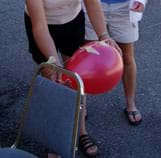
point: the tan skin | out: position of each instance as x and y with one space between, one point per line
130 70
129 78
47 45
129 75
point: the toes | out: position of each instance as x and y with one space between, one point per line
87 145
132 119
92 150
138 117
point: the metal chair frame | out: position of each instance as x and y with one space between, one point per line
80 95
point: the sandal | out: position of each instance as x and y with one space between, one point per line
86 142
132 113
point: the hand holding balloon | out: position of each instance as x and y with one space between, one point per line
99 65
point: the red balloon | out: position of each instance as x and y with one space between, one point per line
99 65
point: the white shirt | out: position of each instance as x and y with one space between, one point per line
61 11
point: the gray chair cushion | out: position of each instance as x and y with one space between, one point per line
51 116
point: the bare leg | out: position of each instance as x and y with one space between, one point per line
129 78
92 149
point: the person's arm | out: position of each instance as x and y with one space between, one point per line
96 16
40 29
97 19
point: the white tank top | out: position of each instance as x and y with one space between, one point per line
61 11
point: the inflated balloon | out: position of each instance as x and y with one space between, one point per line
99 65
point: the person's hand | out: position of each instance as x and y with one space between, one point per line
112 43
49 72
137 7
106 37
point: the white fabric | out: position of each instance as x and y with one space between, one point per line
135 17
119 26
61 11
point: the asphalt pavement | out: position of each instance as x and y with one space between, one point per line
106 121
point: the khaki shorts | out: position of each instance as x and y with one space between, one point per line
118 24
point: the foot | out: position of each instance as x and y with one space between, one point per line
51 155
134 117
88 145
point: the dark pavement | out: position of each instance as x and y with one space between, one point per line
106 121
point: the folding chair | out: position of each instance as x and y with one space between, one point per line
51 113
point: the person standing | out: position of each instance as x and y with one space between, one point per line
122 18
59 25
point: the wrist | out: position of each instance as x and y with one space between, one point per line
103 36
52 60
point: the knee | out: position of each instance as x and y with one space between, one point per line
128 59
128 53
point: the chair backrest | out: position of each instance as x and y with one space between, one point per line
14 153
51 117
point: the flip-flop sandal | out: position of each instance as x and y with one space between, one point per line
85 142
132 113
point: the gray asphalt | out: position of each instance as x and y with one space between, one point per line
106 121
